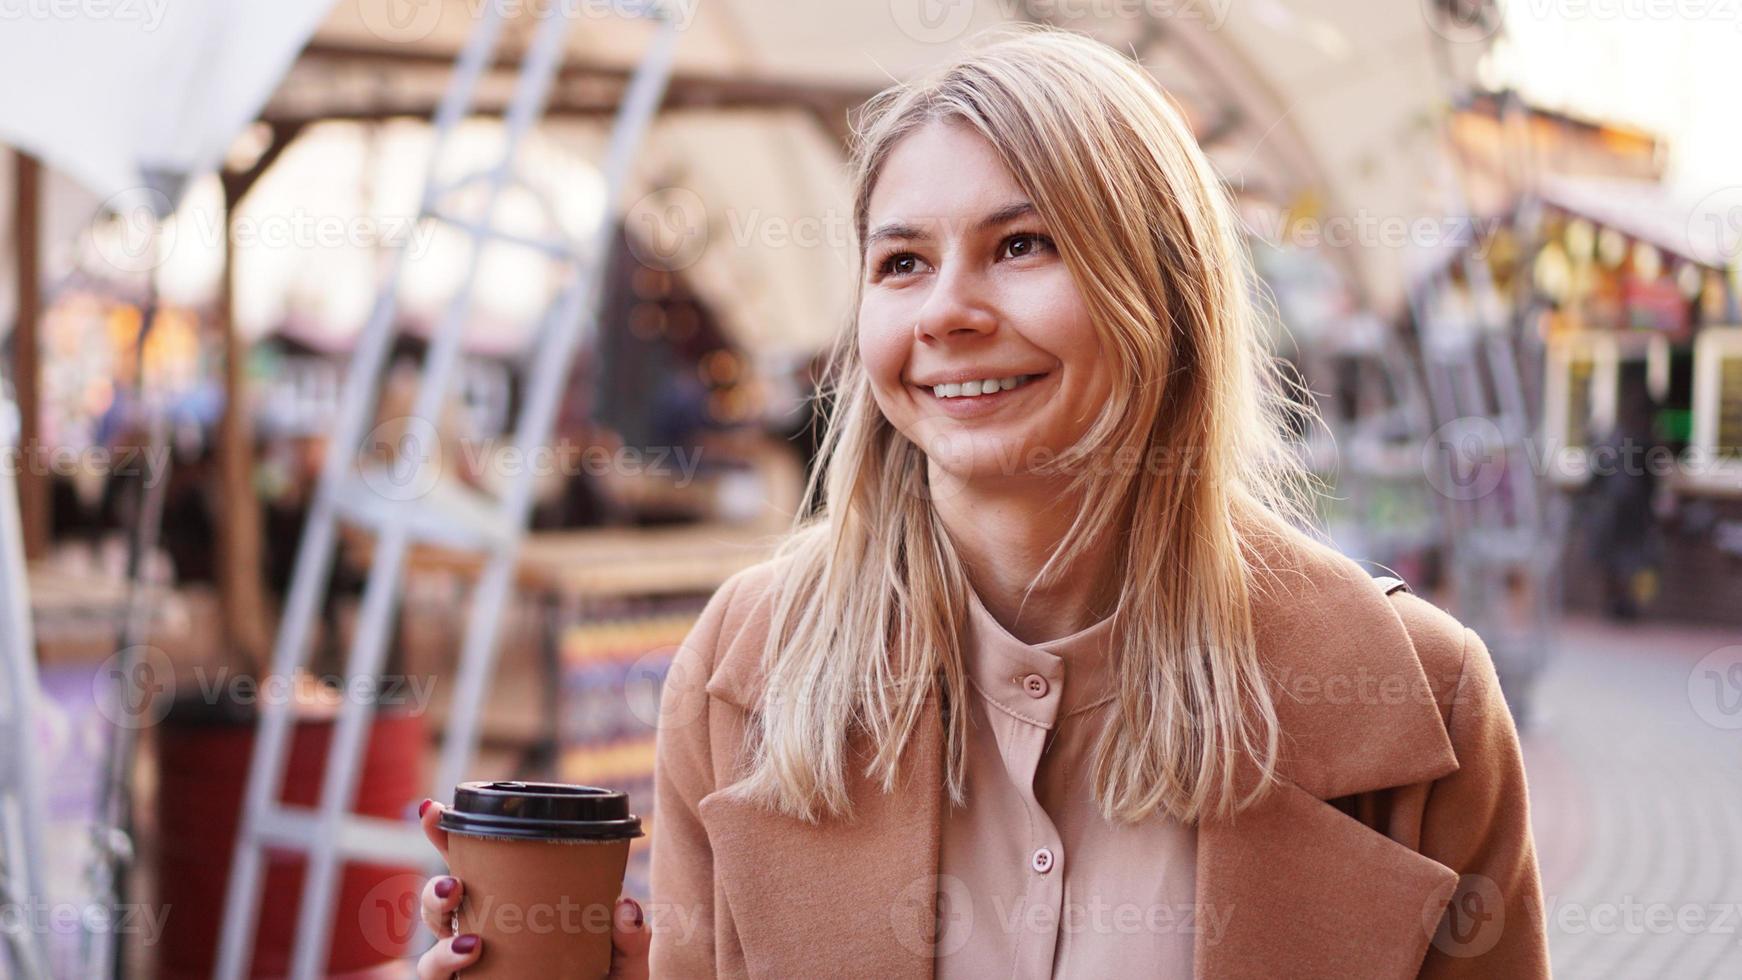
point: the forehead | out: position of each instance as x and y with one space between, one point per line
943 169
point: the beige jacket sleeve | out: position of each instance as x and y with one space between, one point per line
1477 822
682 906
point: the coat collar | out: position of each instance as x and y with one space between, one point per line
1305 889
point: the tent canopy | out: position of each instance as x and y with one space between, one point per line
1325 108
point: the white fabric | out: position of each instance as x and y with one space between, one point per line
130 97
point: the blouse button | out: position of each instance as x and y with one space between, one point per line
1035 685
1042 860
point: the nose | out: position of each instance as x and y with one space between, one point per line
957 308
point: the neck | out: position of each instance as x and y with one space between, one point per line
1004 534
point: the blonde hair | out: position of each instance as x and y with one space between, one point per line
868 612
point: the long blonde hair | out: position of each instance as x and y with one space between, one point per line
868 613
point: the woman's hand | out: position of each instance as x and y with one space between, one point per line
630 935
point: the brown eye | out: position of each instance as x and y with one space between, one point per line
899 264
1027 243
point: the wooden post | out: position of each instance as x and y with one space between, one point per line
34 498
241 592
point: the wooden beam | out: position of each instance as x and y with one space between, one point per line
34 498
580 90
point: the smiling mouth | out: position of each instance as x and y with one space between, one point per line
980 388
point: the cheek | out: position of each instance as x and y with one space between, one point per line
884 349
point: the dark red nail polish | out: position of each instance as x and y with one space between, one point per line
636 908
423 808
464 945
444 886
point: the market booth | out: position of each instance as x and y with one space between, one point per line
1643 389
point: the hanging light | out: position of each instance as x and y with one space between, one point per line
1611 248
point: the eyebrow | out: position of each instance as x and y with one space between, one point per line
1002 216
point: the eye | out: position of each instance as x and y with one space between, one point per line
1025 243
899 264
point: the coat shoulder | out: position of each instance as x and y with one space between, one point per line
1441 644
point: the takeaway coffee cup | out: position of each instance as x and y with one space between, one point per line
542 865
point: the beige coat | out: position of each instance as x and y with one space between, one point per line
1403 789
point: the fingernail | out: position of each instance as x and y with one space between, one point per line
444 886
464 945
423 808
635 911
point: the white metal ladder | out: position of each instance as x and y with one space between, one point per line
22 821
328 833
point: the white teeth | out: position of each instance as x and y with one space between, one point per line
982 387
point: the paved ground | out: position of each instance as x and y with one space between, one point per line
1635 761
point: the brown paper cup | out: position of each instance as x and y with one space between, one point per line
542 865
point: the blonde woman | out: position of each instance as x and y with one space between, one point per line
1049 686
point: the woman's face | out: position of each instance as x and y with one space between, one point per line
963 285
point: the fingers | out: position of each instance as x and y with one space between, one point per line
427 815
449 957
441 896
630 938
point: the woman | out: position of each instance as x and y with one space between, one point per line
1049 687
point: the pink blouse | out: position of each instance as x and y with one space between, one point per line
1033 882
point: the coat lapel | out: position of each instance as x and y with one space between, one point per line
854 898
1296 887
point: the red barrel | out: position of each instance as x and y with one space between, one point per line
203 767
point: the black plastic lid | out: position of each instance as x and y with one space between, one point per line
540 811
